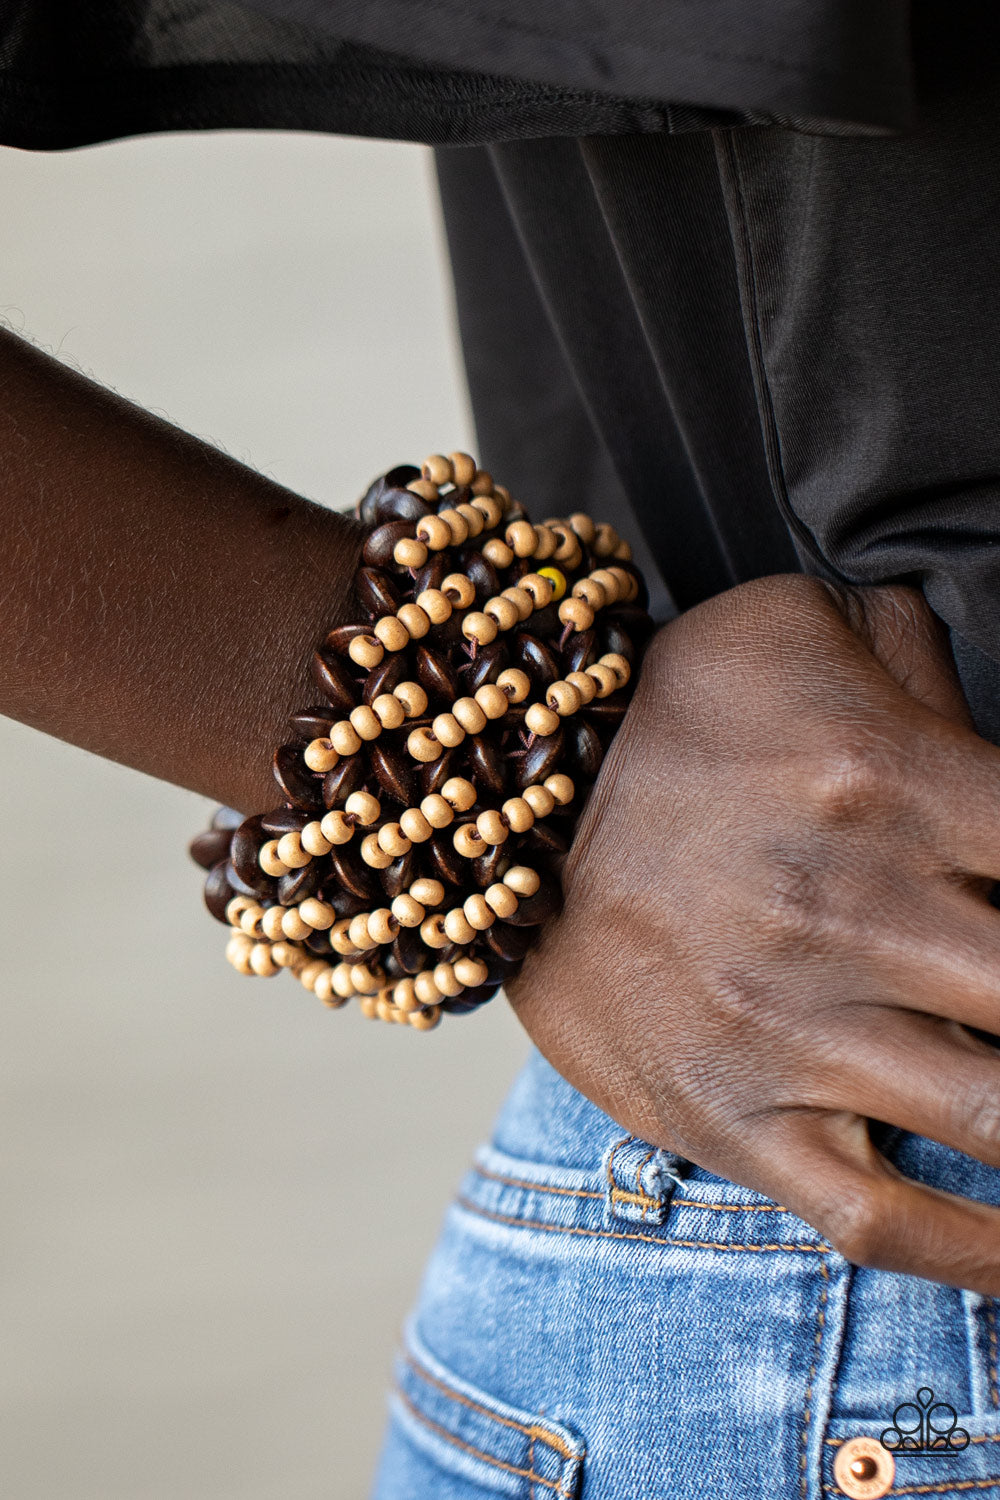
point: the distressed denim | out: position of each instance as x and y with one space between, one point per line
603 1320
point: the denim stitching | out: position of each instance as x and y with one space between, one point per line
817 1342
930 1489
550 1438
488 1458
983 1437
648 1239
638 1179
561 1192
991 1328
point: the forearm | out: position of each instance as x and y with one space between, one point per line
158 600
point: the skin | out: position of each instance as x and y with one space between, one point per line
776 921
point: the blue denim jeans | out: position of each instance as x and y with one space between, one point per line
603 1320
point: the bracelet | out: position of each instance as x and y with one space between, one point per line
428 803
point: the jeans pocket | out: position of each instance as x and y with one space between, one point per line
449 1439
939 1453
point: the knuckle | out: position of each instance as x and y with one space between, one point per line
855 1225
846 783
792 906
980 1121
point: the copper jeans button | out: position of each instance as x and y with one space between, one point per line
864 1469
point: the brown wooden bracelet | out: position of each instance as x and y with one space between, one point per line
428 802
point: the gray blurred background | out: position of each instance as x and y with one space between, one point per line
216 1195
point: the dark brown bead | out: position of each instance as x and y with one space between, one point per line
533 910
344 902
485 763
536 658
394 771
387 676
485 869
641 599
391 966
580 651
497 969
541 758
436 675
319 943
444 859
401 505
335 680
281 820
546 623
615 637
348 776
605 714
399 876
227 817
432 574
381 542
397 478
583 749
218 891
409 951
447 954
312 723
486 666
208 848
375 593
508 943
543 839
300 785
469 1000
354 875
339 639
242 889
434 773
247 840
482 574
298 884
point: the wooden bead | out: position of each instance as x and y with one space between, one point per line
567 545
546 542
366 651
413 698
492 700
310 972
382 925
605 540
238 951
392 633
340 937
236 907
415 826
393 840
448 730
518 814
479 627
446 980
425 488
424 745
469 715
336 827
491 510
521 600
436 605
373 854
435 532
345 738
482 483
291 852
293 925
323 988
438 469
591 592
563 697
425 989
522 538
319 914
583 526
389 710
498 553
463 468
410 552
605 679
432 932
609 582
314 841
363 980
407 911
541 720
501 899
437 811
426 1019
365 722
456 524
414 620
585 686
478 913
270 923
460 590
470 971
539 587
492 827
250 919
363 808
360 933
576 612
459 793
285 955
427 891
270 861
619 665
539 799
367 1006
521 880
405 996
514 684
343 984
504 611
561 787
319 755
457 926
469 841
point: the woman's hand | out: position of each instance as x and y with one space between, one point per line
776 923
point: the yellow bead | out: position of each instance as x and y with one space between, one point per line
492 827
432 932
563 697
492 700
425 989
389 710
410 552
393 840
314 841
469 714
469 842
269 860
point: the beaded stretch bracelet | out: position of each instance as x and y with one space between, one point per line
429 801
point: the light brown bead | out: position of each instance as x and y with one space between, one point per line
359 932
415 826
426 990
293 925
414 620
368 1006
561 787
310 972
501 899
314 841
366 651
577 613
437 811
546 543
605 679
410 552
446 979
270 861
373 854
503 611
472 516
619 665
469 715
425 488
605 541
438 469
563 697
392 633
470 971
291 852
404 995
393 840
539 587
423 744
435 532
236 907
457 926
408 913
492 700
469 841
459 793
479 627
250 919
463 468
436 605
425 1020
567 546
286 955
498 553
270 923
448 730
345 738
460 589
389 710
514 684
478 913
336 827
491 510
323 988
541 720
343 984
365 722
623 552
583 526
492 827
521 537
413 698
613 585
364 980
591 592
456 524
432 932
540 800
428 891
363 808
502 493
522 880
482 483
319 755
238 951
585 686
340 937
521 600
382 925
319 914
518 814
